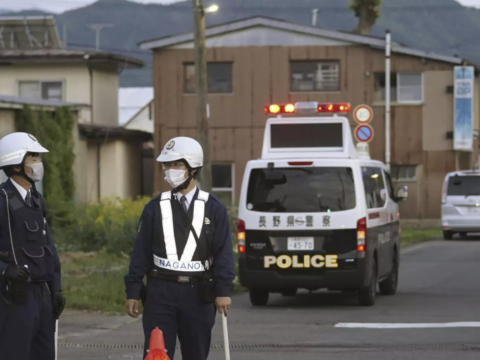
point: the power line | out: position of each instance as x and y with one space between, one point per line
89 46
97 28
297 8
238 9
232 19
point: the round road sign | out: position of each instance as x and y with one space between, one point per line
363 114
364 133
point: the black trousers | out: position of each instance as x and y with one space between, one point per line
27 331
177 310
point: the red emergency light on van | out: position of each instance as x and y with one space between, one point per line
309 107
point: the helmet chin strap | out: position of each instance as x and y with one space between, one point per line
185 184
24 174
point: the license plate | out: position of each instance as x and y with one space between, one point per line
300 243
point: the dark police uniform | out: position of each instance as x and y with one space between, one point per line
27 328
167 253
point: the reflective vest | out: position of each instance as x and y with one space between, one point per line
192 260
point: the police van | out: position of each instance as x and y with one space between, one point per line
316 212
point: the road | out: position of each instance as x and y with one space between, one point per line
438 284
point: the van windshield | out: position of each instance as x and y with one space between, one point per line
463 185
309 189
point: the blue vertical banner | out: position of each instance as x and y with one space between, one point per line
463 108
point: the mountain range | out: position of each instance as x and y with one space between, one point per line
441 26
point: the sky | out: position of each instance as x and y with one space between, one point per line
59 6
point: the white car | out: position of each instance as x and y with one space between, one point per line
461 203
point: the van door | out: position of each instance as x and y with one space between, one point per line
393 219
298 213
378 232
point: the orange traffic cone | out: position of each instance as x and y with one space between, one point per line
156 350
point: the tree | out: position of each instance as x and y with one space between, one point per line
367 12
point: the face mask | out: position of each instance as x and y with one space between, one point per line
175 177
37 174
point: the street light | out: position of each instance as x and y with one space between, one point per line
212 8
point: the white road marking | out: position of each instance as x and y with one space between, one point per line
408 326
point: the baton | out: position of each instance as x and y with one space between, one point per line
56 339
226 343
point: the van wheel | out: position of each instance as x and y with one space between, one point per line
366 295
289 292
389 285
259 297
447 235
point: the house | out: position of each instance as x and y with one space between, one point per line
258 61
136 109
34 64
136 112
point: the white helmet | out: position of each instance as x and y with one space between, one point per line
183 148
15 146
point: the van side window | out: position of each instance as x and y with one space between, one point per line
375 191
390 185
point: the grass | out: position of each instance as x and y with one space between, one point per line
94 281
410 236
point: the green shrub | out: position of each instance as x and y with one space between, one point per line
110 224
233 216
54 131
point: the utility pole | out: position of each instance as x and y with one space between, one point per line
201 87
98 28
388 44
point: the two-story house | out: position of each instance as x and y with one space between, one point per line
34 64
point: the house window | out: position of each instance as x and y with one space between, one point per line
375 191
46 90
219 78
404 87
223 183
315 75
29 89
189 78
404 173
410 87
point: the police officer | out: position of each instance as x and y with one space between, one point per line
30 291
184 248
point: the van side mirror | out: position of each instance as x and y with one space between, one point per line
402 194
